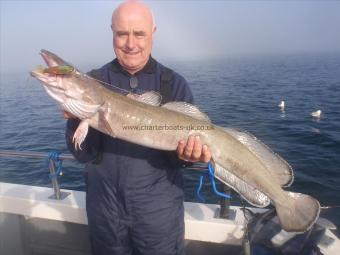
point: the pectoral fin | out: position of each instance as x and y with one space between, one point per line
80 134
103 122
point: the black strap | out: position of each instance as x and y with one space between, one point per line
166 81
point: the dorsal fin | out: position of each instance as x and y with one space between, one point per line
150 97
188 109
274 163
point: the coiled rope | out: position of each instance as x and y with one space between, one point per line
210 174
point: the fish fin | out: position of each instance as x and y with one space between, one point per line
80 134
298 213
103 122
150 97
249 193
279 167
187 109
80 109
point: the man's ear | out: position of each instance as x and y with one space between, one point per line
154 30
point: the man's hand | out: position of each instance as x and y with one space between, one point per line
68 115
193 151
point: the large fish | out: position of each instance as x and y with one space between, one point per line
240 160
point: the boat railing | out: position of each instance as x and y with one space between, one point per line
59 195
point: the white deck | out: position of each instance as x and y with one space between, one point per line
201 222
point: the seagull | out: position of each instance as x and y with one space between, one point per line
316 114
282 105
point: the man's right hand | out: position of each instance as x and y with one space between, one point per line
68 115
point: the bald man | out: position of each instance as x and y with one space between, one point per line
134 196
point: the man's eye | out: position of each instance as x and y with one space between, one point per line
121 34
139 34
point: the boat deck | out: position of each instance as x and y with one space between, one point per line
32 223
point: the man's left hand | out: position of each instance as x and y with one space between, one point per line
193 151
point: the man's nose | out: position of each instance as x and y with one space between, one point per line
130 41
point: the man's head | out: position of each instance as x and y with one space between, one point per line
133 28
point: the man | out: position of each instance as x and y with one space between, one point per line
134 194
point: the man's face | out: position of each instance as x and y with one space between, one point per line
132 39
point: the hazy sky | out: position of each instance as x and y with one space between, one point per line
79 31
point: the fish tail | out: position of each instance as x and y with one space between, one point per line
299 213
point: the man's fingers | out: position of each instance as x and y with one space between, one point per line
206 154
189 147
197 150
193 151
180 148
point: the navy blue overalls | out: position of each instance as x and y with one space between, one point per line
134 196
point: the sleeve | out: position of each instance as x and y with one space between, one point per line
181 90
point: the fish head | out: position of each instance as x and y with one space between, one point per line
67 85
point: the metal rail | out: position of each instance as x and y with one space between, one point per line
224 211
31 154
39 155
58 195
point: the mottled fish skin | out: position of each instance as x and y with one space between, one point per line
124 116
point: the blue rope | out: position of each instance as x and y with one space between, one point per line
212 179
198 191
54 156
211 174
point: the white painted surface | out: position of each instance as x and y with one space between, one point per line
200 221
333 248
32 201
202 224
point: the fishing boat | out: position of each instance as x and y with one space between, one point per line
40 220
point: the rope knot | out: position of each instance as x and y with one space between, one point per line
54 158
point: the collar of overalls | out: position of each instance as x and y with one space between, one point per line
149 68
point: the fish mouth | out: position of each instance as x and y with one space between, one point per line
38 73
48 80
50 84
51 59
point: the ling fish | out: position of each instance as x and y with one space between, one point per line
240 160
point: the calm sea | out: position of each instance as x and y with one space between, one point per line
242 93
